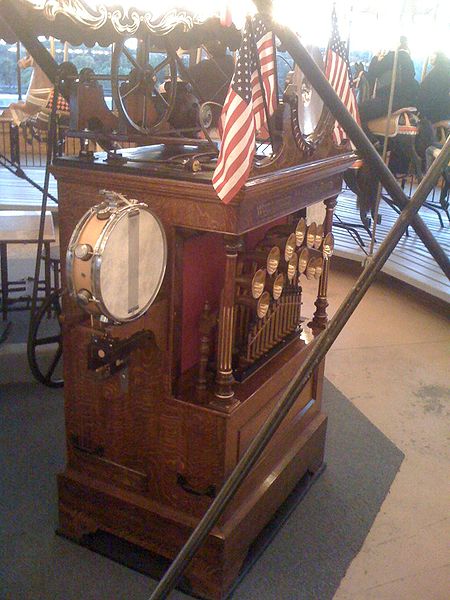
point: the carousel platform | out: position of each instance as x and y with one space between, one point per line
19 194
410 262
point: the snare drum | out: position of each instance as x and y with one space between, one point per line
116 259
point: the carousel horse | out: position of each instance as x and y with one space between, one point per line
33 114
37 95
409 135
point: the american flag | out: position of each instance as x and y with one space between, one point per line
244 114
338 74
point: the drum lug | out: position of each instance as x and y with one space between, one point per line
84 297
83 251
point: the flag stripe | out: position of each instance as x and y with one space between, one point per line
337 71
244 114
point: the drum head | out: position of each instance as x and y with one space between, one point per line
130 263
310 105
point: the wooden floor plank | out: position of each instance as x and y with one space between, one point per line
410 262
19 194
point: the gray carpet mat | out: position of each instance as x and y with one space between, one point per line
306 559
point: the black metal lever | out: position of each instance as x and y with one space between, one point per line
210 491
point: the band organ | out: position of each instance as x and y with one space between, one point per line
161 403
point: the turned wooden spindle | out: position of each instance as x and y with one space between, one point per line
320 318
208 321
224 393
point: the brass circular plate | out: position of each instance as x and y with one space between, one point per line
292 267
278 286
328 245
319 236
303 260
258 283
300 232
263 305
318 264
273 260
311 269
311 235
290 246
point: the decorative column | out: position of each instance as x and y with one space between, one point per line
224 393
320 319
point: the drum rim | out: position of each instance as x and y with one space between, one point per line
97 262
70 254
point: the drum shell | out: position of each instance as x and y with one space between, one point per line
80 272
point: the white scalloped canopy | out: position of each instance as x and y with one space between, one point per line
129 16
105 21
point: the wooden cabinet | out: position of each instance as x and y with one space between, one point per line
149 446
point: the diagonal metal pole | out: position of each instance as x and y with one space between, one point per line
320 83
22 27
321 346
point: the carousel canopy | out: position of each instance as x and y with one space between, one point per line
106 21
369 24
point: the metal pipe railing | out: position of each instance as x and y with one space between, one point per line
321 346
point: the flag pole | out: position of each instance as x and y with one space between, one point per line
385 151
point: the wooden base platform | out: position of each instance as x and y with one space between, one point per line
154 566
193 450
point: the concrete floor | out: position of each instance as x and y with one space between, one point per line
392 362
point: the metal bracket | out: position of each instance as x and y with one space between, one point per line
108 355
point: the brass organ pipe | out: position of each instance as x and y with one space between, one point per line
270 259
264 336
280 316
255 283
285 328
311 235
292 312
272 324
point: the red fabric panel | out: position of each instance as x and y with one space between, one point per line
203 272
203 279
